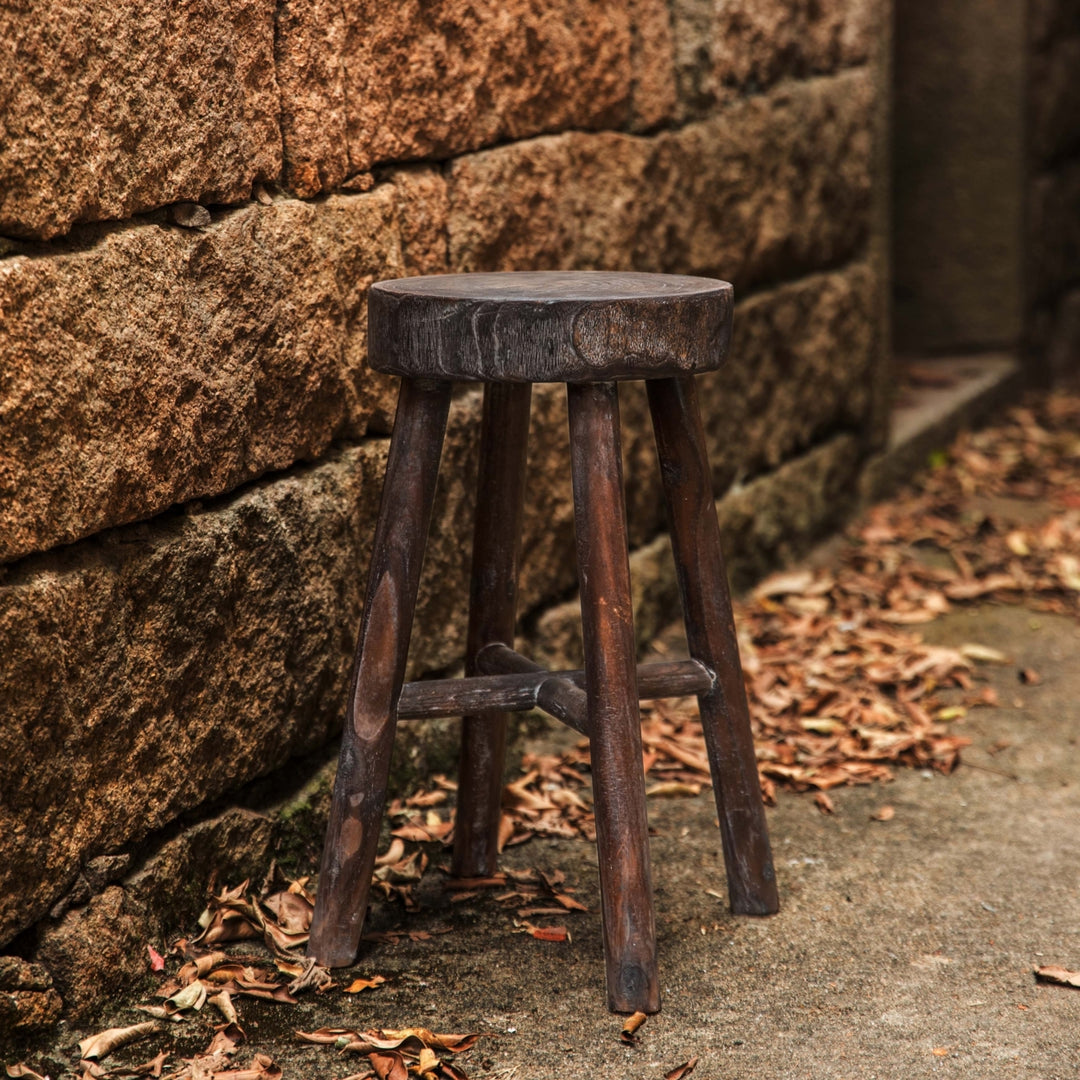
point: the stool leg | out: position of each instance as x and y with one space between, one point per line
367 741
710 632
611 684
504 435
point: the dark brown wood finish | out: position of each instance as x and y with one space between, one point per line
509 330
710 631
557 696
364 764
552 326
505 688
504 435
611 684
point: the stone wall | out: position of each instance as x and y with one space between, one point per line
194 200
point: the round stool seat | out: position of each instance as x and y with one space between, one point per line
550 326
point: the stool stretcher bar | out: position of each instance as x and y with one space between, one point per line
559 693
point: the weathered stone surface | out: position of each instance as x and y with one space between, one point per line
110 109
27 999
772 187
801 369
652 63
722 49
23 1011
1054 100
308 51
103 942
153 668
422 224
414 80
762 525
160 364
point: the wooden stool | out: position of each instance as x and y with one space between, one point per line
509 331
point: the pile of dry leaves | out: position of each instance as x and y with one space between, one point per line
274 920
841 686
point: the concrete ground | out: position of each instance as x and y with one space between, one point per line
904 948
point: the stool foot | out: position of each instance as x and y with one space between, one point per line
710 632
367 741
500 499
614 714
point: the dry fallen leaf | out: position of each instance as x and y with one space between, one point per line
1051 973
984 653
824 803
680 1072
364 984
672 789
105 1042
630 1027
23 1072
884 813
940 1051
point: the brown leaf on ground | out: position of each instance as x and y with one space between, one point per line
389 1065
154 1067
23 1072
357 985
394 853
682 1071
102 1044
222 1001
883 813
824 803
1051 973
630 1028
202 966
262 1067
226 1041
391 1039
291 910
1029 677
672 789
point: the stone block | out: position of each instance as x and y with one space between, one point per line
773 187
802 361
28 1001
108 110
156 667
308 54
167 364
379 82
652 64
102 943
726 48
